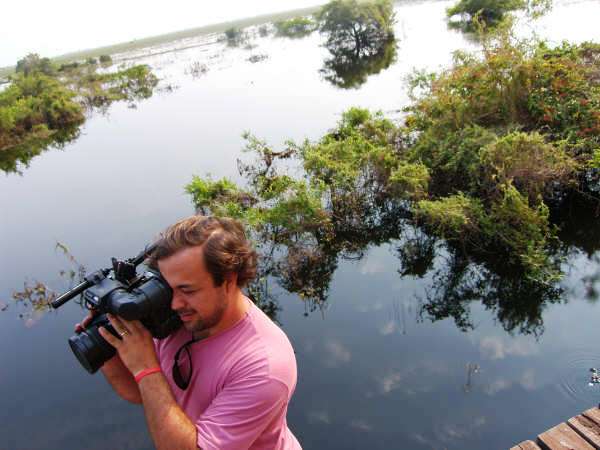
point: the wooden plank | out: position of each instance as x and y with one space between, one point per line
593 414
587 429
528 445
562 437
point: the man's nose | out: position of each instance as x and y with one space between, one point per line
177 301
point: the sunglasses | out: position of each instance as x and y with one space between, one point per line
182 365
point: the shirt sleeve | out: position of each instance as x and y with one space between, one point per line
240 413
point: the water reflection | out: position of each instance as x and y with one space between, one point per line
14 159
350 69
517 301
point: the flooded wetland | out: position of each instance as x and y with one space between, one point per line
403 339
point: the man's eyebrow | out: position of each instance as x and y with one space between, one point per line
186 286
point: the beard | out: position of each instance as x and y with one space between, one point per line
205 323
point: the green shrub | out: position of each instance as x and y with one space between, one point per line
456 217
296 27
35 106
528 162
32 64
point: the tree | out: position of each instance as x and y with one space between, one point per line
358 26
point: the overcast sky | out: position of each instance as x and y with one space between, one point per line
55 27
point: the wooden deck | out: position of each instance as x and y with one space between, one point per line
579 432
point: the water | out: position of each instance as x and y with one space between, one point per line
373 372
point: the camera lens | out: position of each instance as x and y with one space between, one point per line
90 348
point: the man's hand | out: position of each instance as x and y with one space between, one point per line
79 327
169 426
135 348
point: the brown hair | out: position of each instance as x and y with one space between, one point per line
226 248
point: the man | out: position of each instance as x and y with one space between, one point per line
224 379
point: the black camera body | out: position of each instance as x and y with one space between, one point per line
122 292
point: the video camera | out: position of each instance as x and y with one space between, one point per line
122 292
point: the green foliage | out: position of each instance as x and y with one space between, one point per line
565 94
105 59
489 13
452 157
43 107
35 106
528 162
523 231
513 86
91 61
296 27
455 217
32 64
409 180
515 128
594 162
357 26
357 154
208 192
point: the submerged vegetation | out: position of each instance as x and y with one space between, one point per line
488 151
45 103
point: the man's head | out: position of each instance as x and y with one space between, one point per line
206 261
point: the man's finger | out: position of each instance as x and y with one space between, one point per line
133 325
118 324
107 335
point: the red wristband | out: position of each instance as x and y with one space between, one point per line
142 373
